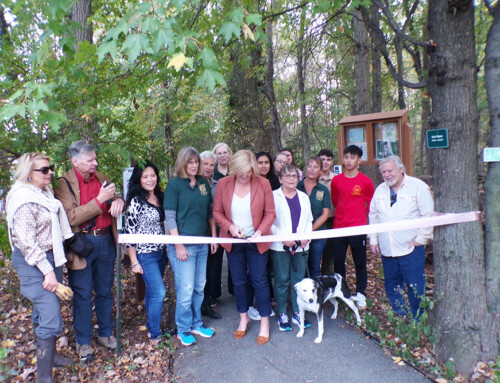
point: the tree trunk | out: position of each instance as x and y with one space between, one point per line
492 184
401 72
466 331
306 149
362 64
376 68
275 128
426 110
80 13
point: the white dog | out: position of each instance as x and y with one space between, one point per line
312 294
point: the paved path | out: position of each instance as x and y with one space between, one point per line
344 356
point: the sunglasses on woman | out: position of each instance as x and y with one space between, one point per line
45 169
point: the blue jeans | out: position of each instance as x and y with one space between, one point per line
316 248
153 265
98 275
287 275
190 278
408 269
247 266
46 309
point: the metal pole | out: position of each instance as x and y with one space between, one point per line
118 299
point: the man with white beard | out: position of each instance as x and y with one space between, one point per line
401 197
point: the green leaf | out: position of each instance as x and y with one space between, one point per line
322 7
36 105
237 16
54 119
162 38
121 27
209 78
229 29
149 24
133 46
208 58
9 111
254 18
108 47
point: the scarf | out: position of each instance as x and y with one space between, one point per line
22 193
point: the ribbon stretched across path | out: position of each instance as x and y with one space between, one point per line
438 219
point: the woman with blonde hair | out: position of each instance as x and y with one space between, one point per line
37 228
187 202
244 208
223 154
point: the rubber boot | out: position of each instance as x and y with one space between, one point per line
61 361
45 351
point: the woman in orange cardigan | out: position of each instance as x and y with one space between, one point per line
244 208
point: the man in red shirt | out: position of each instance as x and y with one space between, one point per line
352 193
89 199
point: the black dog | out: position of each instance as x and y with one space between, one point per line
312 294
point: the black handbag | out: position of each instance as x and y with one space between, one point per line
79 244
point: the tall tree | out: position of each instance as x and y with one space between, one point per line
492 184
301 73
362 64
376 67
275 128
461 315
80 13
466 328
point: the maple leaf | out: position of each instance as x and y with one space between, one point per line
177 61
247 32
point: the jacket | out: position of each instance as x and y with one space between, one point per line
261 206
78 214
283 223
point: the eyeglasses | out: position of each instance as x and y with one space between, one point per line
290 176
45 169
282 162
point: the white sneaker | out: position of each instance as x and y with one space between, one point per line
253 313
360 300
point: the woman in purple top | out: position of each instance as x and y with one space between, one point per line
293 215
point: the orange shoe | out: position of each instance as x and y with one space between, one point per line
262 340
238 334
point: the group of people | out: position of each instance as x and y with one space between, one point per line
216 194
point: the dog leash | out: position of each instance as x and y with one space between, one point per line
292 251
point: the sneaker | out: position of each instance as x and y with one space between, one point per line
360 301
186 338
253 313
85 352
107 341
283 323
205 332
296 320
273 313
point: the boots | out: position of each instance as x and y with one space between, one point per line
61 361
206 310
45 350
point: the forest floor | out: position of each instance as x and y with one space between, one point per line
140 361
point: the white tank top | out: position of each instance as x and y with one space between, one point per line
241 215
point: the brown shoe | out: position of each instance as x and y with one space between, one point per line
262 340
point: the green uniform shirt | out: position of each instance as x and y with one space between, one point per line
191 204
320 199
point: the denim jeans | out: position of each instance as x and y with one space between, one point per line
287 275
316 248
190 278
153 265
410 270
248 266
358 248
46 309
98 275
